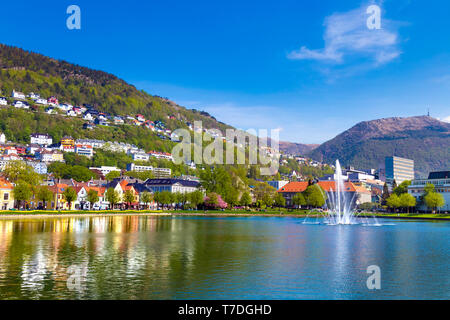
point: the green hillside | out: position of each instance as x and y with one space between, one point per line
31 72
424 139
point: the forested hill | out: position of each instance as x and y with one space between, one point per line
365 145
26 71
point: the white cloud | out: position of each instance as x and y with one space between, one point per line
446 119
347 36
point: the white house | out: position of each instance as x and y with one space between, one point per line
3 101
65 107
105 169
34 96
71 113
21 105
142 156
18 95
50 110
2 138
41 101
441 182
84 150
42 139
87 116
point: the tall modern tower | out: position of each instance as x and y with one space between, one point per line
399 169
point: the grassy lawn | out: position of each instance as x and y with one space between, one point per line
408 215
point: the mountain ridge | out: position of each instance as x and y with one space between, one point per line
366 144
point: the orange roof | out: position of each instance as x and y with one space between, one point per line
61 187
300 186
296 186
331 186
5 184
361 189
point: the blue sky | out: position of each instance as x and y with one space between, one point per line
310 68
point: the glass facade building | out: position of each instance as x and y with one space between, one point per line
399 169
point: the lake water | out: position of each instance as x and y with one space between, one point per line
138 257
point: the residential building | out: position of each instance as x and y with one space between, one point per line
41 101
358 194
3 101
162 172
157 172
34 96
64 106
105 169
398 169
441 182
172 185
53 101
50 110
21 104
84 150
58 202
68 141
41 139
18 95
88 116
91 142
6 194
141 156
50 156
39 167
160 155
2 138
138 168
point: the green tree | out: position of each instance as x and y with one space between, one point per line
19 170
434 200
246 199
92 197
44 194
315 196
196 198
70 195
385 194
393 201
22 192
231 197
112 175
146 198
407 201
402 188
394 184
279 200
128 198
429 188
299 200
112 196
80 173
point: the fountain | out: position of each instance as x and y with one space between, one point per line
341 207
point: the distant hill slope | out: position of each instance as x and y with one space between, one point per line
296 148
422 138
31 72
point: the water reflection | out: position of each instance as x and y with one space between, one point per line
136 257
